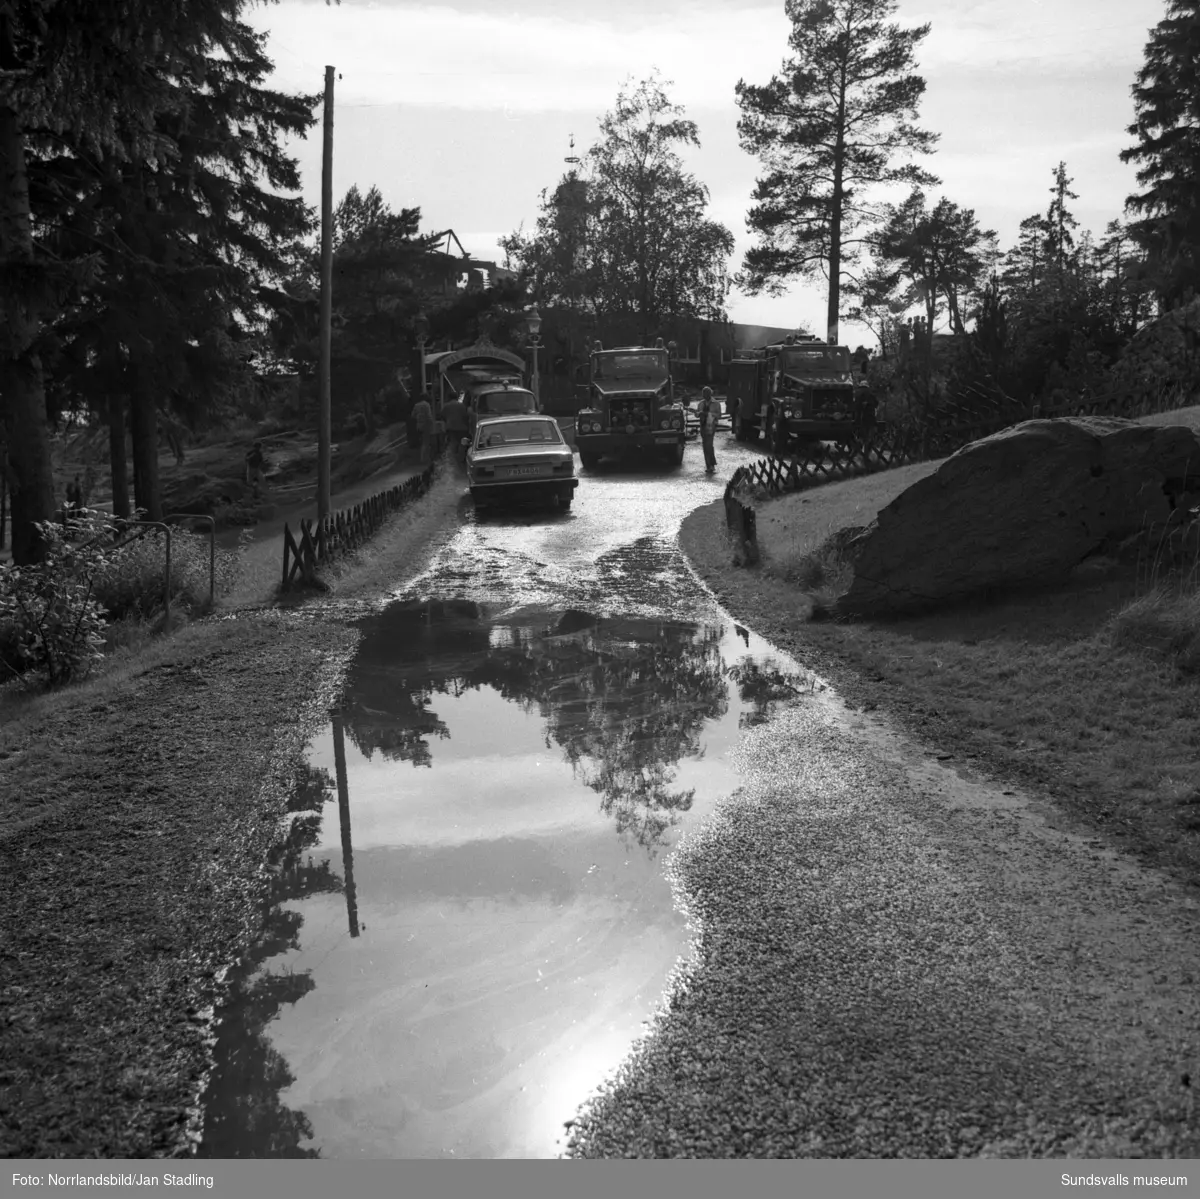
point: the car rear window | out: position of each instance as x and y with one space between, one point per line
520 432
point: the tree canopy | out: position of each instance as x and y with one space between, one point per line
830 128
629 234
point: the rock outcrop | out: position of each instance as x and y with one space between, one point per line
1025 505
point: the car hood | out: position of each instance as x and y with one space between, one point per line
615 388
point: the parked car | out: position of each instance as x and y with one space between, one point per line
514 459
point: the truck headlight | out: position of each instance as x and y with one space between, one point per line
664 424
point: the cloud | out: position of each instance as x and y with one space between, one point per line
1031 37
513 62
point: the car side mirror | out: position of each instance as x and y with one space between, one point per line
465 441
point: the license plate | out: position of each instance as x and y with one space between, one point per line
664 437
522 471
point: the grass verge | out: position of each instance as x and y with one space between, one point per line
137 810
1063 691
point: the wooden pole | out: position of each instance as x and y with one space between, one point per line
324 434
339 762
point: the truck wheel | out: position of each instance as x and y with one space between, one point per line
589 461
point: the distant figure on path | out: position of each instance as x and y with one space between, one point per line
454 417
423 424
74 501
710 411
255 462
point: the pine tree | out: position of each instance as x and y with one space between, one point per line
1059 242
829 128
1166 98
942 251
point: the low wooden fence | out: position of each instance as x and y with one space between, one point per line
891 446
344 531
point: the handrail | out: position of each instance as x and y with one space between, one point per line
124 523
212 547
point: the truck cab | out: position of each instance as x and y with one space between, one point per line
630 405
800 391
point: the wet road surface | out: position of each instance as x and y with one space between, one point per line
474 918
473 927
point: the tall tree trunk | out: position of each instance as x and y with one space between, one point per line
116 455
3 495
835 222
144 421
30 470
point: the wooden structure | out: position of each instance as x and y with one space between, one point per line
320 541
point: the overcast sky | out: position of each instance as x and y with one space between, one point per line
465 109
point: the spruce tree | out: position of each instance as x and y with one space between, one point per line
94 76
185 245
1166 97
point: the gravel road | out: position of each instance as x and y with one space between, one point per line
892 961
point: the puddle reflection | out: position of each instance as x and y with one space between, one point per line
513 946
625 699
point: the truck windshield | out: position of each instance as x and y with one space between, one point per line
630 366
815 360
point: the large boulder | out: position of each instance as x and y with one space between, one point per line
1024 505
1165 352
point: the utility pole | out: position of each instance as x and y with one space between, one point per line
324 421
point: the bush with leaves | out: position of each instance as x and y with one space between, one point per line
53 622
130 583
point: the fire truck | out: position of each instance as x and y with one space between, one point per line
629 405
799 392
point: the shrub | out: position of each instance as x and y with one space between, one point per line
54 621
130 582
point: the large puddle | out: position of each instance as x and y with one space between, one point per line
471 920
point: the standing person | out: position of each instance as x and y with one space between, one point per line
72 506
255 461
454 417
423 424
709 410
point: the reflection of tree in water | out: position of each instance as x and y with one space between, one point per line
243 1116
388 689
625 699
763 685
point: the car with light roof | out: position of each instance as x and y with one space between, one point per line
497 397
520 459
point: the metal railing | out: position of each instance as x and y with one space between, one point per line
212 547
146 526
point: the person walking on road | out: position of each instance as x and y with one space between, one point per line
709 411
422 416
454 417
